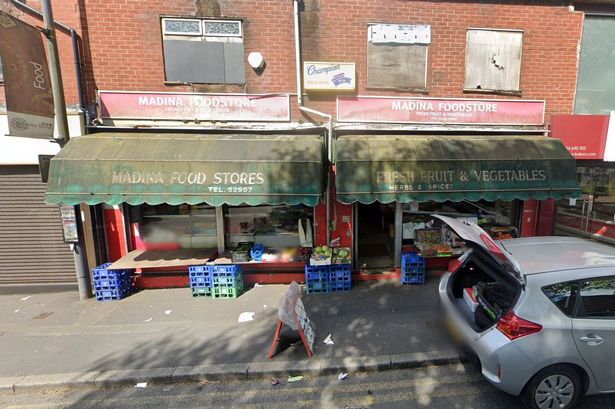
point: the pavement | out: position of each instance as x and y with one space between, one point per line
52 340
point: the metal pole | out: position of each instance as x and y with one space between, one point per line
83 279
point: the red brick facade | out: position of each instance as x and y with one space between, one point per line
122 46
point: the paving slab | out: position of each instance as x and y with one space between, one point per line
210 372
133 376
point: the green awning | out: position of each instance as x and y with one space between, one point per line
388 168
216 169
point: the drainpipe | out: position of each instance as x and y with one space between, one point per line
75 45
313 112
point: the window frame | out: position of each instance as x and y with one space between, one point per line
574 294
516 91
579 300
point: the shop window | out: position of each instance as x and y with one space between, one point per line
186 226
493 60
271 226
597 298
499 219
203 51
596 80
397 56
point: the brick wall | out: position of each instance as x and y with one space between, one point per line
123 51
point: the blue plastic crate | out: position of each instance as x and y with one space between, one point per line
412 261
317 286
225 269
341 271
199 270
413 278
108 295
200 282
111 285
111 279
316 273
102 274
340 285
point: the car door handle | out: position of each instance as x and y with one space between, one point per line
592 340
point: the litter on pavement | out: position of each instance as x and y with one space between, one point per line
141 385
26 298
342 375
168 312
294 378
148 320
275 382
328 340
257 285
245 317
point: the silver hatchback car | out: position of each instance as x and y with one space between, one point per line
538 312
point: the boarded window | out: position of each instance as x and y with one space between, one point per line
203 51
596 81
397 56
493 60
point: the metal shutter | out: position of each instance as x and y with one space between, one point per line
32 250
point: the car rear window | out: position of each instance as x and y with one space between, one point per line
562 295
598 298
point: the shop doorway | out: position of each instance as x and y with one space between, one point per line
375 236
592 215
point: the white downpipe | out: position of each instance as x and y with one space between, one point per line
313 112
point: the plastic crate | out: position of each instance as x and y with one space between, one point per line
227 269
199 270
316 273
109 295
226 292
413 278
200 281
317 286
412 261
340 271
99 274
225 280
201 292
340 285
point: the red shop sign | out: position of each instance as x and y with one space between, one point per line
440 111
194 106
583 135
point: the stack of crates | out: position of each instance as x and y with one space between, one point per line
216 281
340 277
317 279
111 284
200 280
226 281
412 269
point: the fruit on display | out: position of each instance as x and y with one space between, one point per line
341 255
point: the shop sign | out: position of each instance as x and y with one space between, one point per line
328 76
440 111
27 86
69 224
441 179
583 135
194 106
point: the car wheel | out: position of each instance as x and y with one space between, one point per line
556 387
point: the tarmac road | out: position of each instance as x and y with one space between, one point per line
446 387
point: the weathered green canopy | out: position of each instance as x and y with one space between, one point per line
389 168
188 168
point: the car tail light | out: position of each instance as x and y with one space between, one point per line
514 327
453 265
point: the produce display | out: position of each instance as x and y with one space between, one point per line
321 255
341 255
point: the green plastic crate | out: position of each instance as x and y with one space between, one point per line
201 292
227 292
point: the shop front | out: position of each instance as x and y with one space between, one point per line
397 181
187 199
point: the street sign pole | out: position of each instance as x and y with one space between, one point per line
63 136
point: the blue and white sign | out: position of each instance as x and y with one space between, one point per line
329 76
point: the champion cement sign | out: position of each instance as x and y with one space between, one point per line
194 106
440 111
328 76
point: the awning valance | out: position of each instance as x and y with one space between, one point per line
149 168
389 168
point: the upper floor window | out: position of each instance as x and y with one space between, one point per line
493 60
397 56
596 79
203 51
